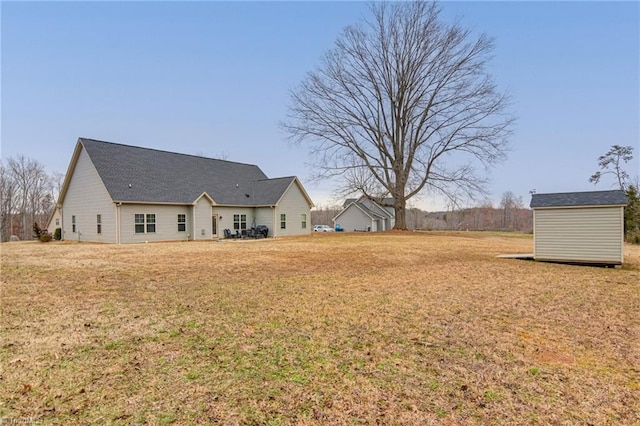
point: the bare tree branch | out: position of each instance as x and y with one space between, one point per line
612 163
403 104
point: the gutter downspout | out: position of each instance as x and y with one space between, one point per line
118 239
273 208
193 221
61 224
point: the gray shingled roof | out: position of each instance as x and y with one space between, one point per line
168 177
387 202
383 202
576 199
349 201
370 212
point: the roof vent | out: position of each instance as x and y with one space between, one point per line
247 195
129 185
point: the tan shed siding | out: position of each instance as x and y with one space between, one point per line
294 204
86 198
166 222
353 219
202 219
579 234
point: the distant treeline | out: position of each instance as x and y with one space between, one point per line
484 218
27 196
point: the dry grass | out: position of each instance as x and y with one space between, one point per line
333 329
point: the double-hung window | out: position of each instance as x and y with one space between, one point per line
283 221
139 223
73 224
303 220
151 223
99 224
145 223
239 221
182 222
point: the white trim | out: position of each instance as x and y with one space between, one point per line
295 180
204 194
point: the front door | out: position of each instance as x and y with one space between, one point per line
214 226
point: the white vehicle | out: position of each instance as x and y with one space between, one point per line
322 228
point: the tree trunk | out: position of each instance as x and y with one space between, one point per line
400 207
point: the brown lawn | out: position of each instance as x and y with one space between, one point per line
396 328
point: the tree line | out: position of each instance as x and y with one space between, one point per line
510 215
28 195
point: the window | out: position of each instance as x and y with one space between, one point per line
303 219
145 223
182 223
99 223
283 221
73 224
139 222
239 221
151 223
57 222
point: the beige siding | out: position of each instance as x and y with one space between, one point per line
225 219
579 234
352 218
55 222
86 198
202 213
166 222
294 204
264 216
261 216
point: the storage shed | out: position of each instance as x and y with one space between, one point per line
580 227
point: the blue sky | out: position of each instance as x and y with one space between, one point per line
213 78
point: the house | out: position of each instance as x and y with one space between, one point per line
116 193
580 227
54 221
366 214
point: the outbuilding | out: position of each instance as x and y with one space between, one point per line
366 214
579 227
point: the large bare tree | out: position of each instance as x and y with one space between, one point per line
403 103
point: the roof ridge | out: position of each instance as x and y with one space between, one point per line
579 192
275 178
164 151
